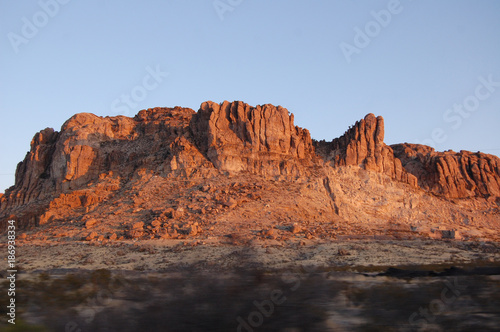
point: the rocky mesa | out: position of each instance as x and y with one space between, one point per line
234 168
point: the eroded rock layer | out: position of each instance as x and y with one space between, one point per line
264 140
363 145
174 172
230 137
451 174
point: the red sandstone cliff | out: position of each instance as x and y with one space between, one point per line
230 137
450 174
263 140
363 145
169 164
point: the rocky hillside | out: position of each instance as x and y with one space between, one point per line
232 168
451 174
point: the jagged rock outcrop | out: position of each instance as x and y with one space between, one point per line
363 145
450 174
88 146
229 137
263 139
172 167
32 173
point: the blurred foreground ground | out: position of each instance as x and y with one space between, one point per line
268 285
252 300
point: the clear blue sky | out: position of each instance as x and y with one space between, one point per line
411 67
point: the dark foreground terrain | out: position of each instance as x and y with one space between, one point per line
307 299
